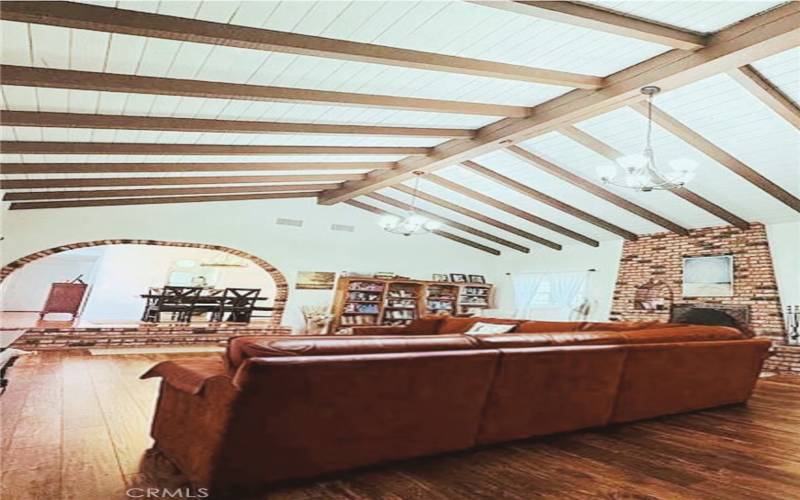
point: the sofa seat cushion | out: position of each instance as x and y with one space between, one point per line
547 326
510 340
243 348
682 333
461 325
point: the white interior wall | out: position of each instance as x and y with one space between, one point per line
784 244
250 227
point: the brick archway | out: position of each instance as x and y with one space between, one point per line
281 286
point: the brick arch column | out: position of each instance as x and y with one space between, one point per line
281 286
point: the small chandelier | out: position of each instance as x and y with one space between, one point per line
412 222
640 171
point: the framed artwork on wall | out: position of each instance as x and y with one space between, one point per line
708 276
458 278
477 278
315 280
439 277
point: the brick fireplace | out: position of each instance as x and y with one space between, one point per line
659 257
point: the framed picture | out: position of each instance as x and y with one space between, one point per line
439 277
708 276
458 278
477 278
315 280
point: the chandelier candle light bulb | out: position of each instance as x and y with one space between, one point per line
640 171
412 223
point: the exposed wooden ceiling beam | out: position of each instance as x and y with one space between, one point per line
450 222
598 19
755 83
476 215
590 187
607 151
128 193
167 181
547 199
437 232
77 120
94 168
752 39
135 148
505 207
717 154
154 201
91 17
110 82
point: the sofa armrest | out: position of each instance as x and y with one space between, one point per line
378 330
188 375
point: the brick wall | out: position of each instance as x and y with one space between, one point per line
660 257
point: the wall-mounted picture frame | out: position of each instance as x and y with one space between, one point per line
458 278
315 280
708 276
476 278
439 277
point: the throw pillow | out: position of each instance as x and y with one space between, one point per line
489 328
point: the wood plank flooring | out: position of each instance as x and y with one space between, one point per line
75 426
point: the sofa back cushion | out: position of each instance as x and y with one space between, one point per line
509 340
624 326
426 325
452 324
540 391
547 326
303 415
682 333
242 348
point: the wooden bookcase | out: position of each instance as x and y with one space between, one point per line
375 301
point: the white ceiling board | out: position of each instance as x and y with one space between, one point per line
582 161
713 181
783 71
701 16
15 48
62 158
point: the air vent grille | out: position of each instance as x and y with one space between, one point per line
289 222
343 227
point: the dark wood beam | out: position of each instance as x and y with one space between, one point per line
110 82
154 201
547 199
111 20
750 40
590 187
488 200
437 232
695 199
166 181
719 155
476 215
129 193
96 168
450 222
755 83
135 148
595 18
124 122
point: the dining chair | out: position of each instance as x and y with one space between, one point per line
177 300
238 303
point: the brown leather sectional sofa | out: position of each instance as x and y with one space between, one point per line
281 408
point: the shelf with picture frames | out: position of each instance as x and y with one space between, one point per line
397 301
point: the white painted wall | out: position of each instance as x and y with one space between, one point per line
250 227
784 244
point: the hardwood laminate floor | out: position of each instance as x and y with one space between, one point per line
75 426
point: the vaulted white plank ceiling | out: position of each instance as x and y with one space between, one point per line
553 205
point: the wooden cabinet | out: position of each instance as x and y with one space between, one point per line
64 298
376 301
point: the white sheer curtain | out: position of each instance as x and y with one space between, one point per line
525 288
563 291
